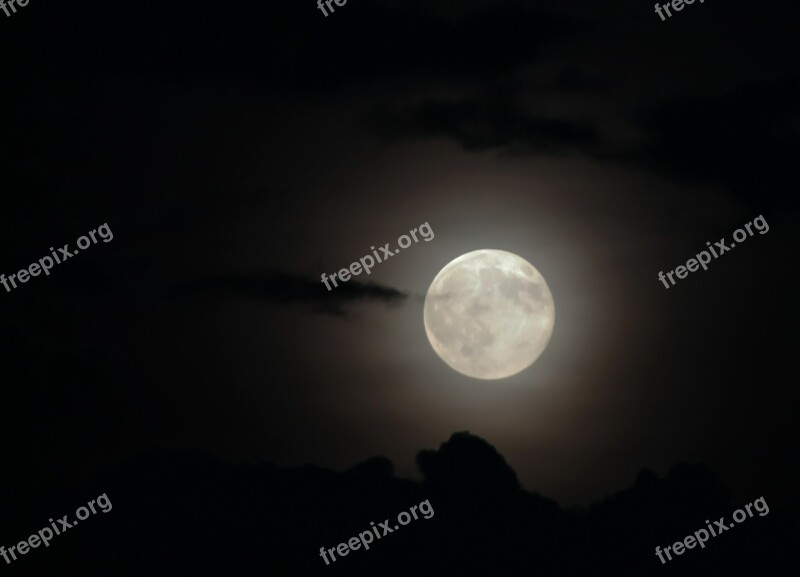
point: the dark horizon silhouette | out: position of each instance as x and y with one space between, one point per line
184 513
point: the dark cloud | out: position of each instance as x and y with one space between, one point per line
754 128
285 288
745 140
495 122
286 44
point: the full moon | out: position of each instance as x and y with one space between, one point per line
489 314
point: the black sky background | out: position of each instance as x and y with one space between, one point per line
237 151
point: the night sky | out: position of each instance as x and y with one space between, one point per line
237 151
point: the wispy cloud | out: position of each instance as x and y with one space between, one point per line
287 288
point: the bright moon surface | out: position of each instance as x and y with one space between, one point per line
489 314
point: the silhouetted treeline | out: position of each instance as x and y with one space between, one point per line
178 513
